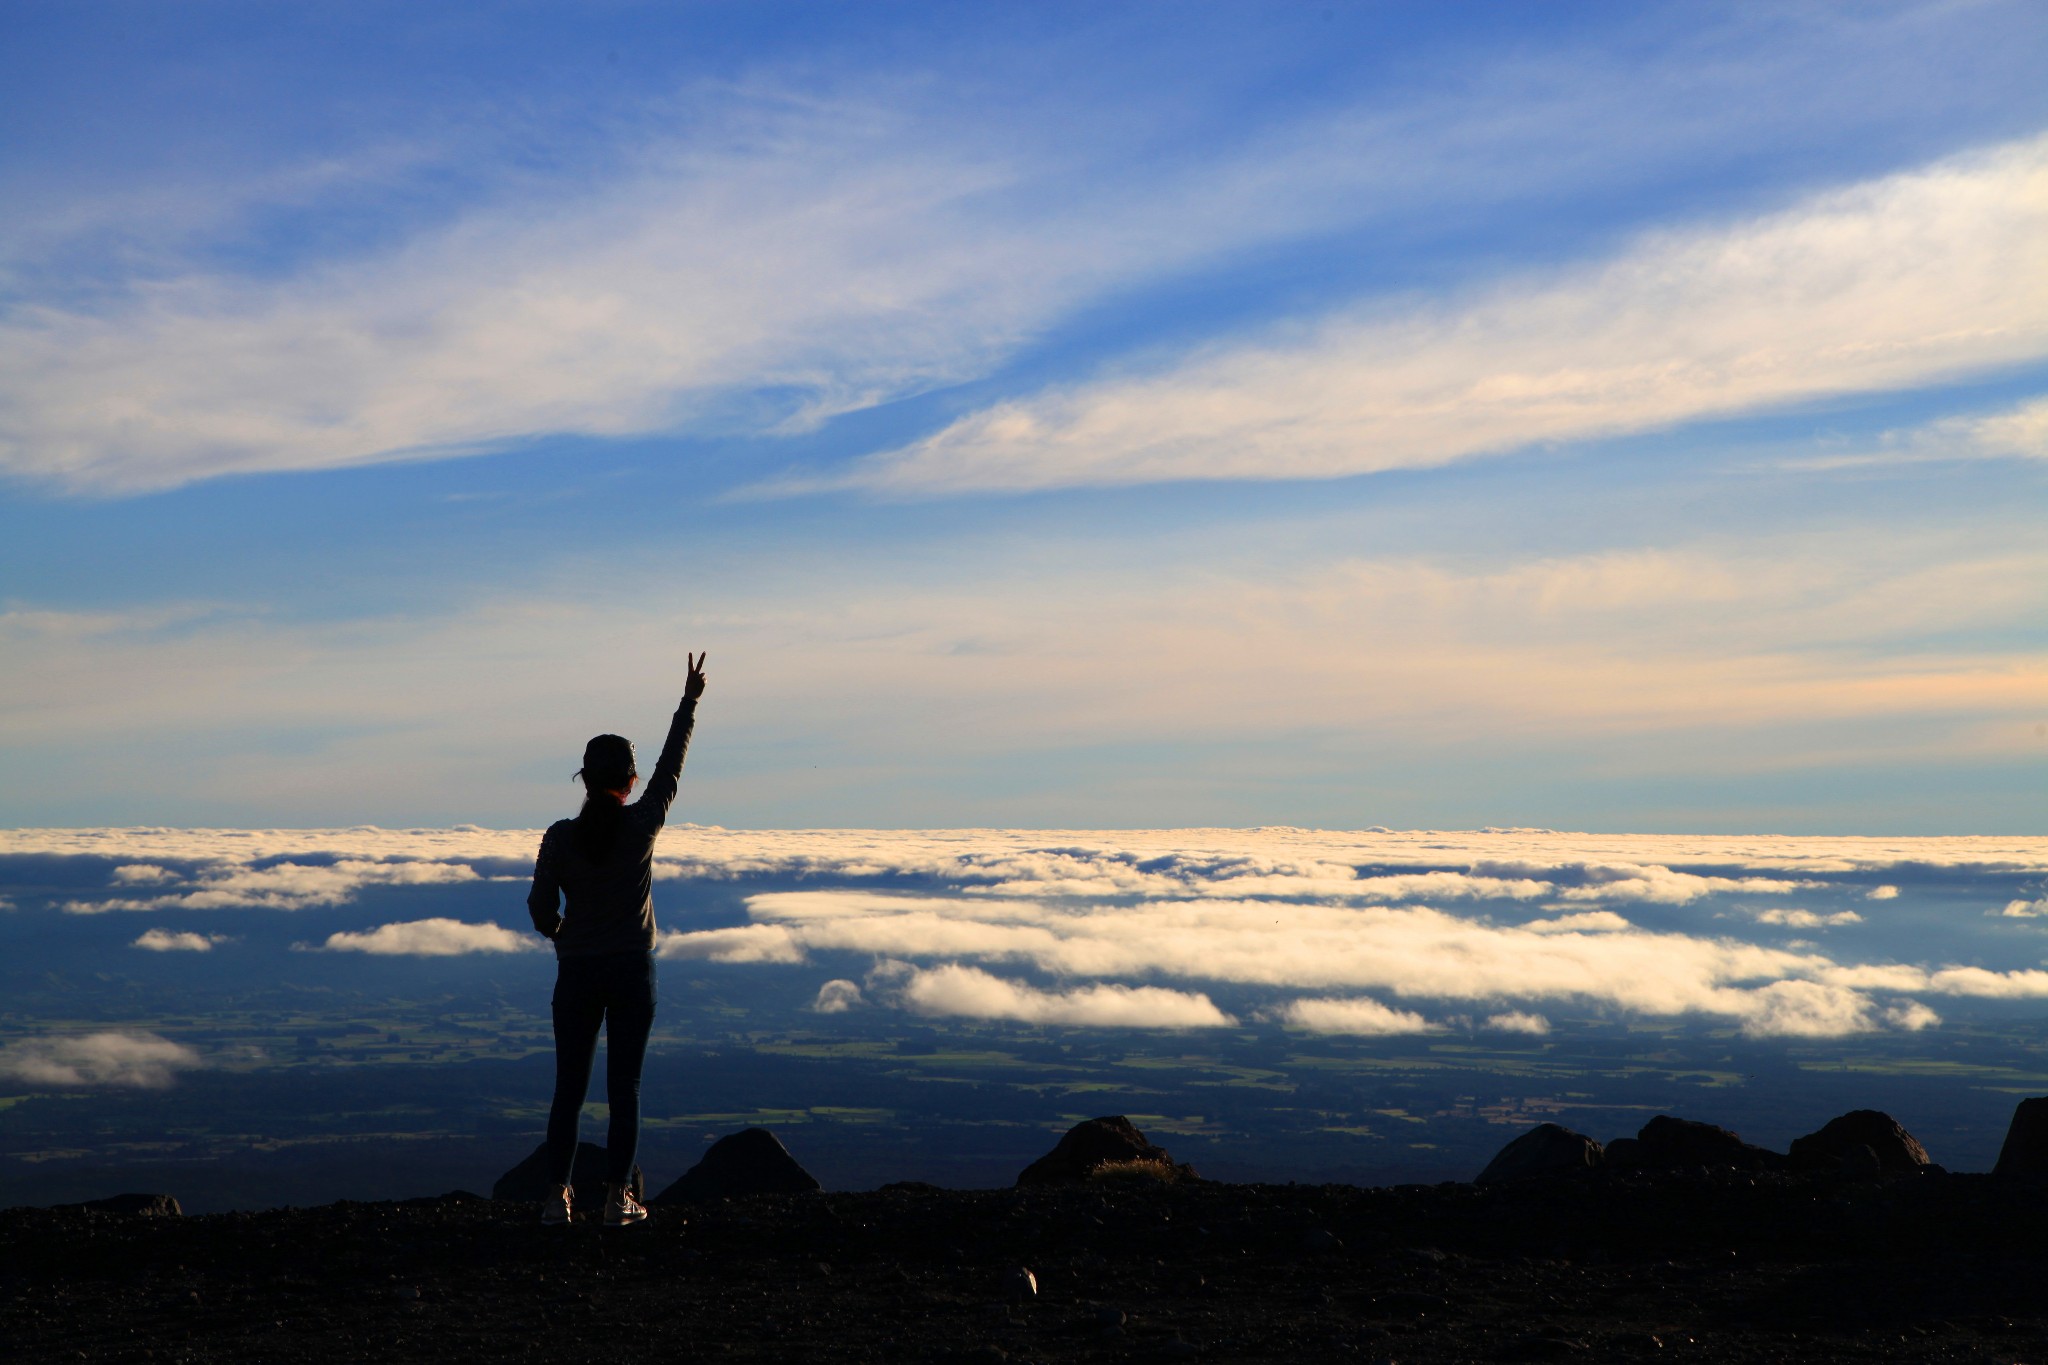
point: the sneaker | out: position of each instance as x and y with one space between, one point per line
557 1209
622 1208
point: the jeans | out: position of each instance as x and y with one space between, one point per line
617 991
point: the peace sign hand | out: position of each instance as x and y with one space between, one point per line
694 688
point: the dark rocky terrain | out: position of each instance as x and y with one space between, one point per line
1683 1243
1596 1266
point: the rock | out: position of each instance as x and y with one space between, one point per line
1109 1146
1317 1240
134 1205
2026 1141
749 1162
528 1181
1894 1148
1622 1153
441 1201
1020 1284
1668 1141
1546 1149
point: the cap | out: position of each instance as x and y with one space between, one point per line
608 761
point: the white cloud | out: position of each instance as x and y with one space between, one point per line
1897 282
1808 919
1912 1016
1802 1009
837 997
971 993
2025 909
140 1060
142 873
437 937
1518 1022
1360 1015
1882 893
1660 885
746 943
2016 433
173 941
282 886
1989 985
1591 922
2022 431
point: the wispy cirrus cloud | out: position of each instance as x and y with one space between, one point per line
2019 432
831 236
800 254
137 1060
1902 281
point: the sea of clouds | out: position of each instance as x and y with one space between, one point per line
1374 932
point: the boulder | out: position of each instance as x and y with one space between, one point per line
751 1161
1546 1149
2026 1142
1835 1144
1668 1141
528 1181
1106 1146
442 1201
1622 1153
134 1205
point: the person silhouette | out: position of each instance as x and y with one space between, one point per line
602 862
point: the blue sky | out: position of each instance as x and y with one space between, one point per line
1609 417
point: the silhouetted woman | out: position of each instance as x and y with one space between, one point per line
603 863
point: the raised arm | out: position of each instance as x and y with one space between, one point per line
668 769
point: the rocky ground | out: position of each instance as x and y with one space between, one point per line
1601 1265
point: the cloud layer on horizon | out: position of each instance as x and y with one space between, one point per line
1369 932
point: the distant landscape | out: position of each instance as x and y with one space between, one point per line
322 1045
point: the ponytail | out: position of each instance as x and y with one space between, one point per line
597 824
